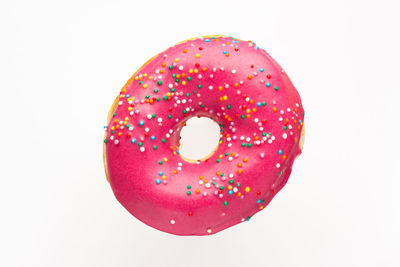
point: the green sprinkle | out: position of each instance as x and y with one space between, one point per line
140 144
172 90
218 160
188 193
159 82
221 188
156 91
184 111
225 203
199 86
187 94
276 88
170 67
155 147
160 162
189 78
153 116
231 181
165 97
189 186
264 134
284 128
229 106
243 116
243 144
264 103
249 144
163 140
105 141
177 80
169 116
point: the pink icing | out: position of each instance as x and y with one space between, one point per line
261 118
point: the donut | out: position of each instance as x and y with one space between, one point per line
238 85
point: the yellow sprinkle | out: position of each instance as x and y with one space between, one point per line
247 189
183 82
176 59
197 55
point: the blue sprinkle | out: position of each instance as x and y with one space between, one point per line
268 84
258 201
261 70
257 47
224 52
280 152
299 121
153 137
158 181
230 192
133 140
258 104
206 40
160 173
141 123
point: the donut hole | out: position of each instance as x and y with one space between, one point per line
199 139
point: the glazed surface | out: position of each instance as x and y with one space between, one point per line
259 111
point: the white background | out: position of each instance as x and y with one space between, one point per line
62 64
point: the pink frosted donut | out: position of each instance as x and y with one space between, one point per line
246 92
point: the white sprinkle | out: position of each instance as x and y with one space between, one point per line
233 71
172 221
142 149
